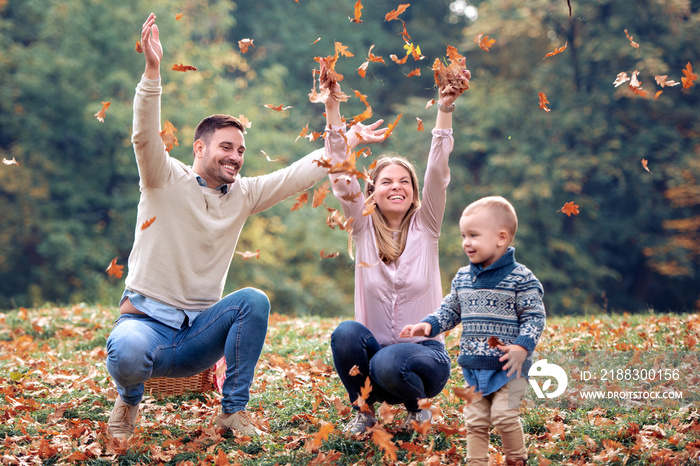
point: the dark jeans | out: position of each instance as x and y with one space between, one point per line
399 373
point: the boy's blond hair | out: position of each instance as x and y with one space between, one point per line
502 211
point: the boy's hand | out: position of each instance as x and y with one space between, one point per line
422 329
515 355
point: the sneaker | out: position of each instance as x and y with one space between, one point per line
122 421
240 421
424 415
360 423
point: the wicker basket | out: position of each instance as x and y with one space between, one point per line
173 386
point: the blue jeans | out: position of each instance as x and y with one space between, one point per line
140 347
399 373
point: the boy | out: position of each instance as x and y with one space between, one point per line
494 296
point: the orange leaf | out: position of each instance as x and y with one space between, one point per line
137 47
362 97
361 117
320 194
351 197
114 269
394 14
168 136
658 93
543 102
420 124
366 265
362 70
621 78
635 85
391 126
12 161
372 57
147 223
101 114
467 394
689 76
632 43
366 389
221 458
304 131
178 16
382 439
248 255
396 59
331 255
645 164
495 342
358 12
244 44
279 108
415 72
321 435
569 209
557 51
245 121
342 50
268 157
355 370
386 412
183 68
484 42
300 201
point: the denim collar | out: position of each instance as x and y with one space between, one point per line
223 188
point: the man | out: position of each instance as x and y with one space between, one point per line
173 320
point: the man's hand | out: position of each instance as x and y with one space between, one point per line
422 329
515 355
152 48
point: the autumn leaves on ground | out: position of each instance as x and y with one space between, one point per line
56 395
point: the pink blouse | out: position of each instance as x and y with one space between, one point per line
391 296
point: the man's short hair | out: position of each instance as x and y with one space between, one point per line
210 124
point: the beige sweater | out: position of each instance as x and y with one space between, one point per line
182 259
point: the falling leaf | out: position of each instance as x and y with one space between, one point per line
178 16
382 439
183 68
358 12
658 93
569 209
268 157
391 126
430 103
12 161
543 102
342 50
362 70
557 51
645 164
244 44
366 389
494 342
279 107
621 78
147 223
452 78
168 136
420 124
322 435
484 42
372 57
101 114
300 201
386 412
137 47
467 394
365 264
248 254
689 76
316 41
331 255
351 197
114 269
635 85
663 81
398 60
355 370
302 134
415 72
632 43
394 14
320 194
414 51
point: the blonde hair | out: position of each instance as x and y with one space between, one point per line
390 249
502 211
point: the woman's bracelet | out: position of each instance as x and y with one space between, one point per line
445 108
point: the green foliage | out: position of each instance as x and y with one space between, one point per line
69 207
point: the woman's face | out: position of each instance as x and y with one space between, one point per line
393 191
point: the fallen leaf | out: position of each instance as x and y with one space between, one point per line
183 68
101 114
147 223
569 209
248 254
245 44
382 439
114 269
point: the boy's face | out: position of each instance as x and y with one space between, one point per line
483 240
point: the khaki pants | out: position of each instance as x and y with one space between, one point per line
502 410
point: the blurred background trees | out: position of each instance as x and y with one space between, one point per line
69 207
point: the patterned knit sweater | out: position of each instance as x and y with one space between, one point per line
503 300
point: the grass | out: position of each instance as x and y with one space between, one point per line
56 396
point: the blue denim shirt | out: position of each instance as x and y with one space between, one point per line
168 315
488 381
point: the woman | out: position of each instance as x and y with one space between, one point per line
397 276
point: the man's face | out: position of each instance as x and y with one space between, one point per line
219 161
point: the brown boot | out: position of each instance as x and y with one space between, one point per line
122 422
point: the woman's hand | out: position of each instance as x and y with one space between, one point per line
363 134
